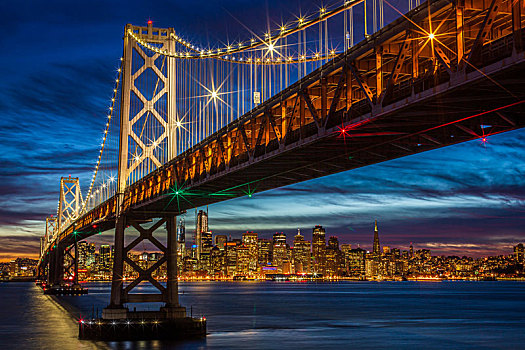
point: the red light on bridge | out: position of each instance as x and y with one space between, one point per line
94 226
150 22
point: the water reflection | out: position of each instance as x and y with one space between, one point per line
365 315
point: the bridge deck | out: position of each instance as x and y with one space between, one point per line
351 112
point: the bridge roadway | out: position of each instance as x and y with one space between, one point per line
390 96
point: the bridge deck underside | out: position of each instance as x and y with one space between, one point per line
445 119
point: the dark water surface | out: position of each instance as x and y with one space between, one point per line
268 315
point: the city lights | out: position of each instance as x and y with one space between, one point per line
198 123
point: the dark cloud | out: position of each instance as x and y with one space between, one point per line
15 244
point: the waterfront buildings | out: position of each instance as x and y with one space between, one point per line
319 249
254 257
201 226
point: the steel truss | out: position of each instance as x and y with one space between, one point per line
397 93
121 293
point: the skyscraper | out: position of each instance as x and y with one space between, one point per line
206 245
319 249
519 252
105 256
265 251
231 258
279 237
249 240
206 241
220 241
91 254
280 254
355 261
216 262
301 254
201 225
377 249
243 261
82 254
334 258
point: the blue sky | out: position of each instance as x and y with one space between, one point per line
58 62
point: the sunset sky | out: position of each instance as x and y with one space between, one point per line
58 62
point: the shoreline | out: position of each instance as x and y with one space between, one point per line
410 279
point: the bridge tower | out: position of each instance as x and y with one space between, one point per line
49 236
63 260
147 128
69 202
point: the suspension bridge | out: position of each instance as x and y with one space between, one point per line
190 125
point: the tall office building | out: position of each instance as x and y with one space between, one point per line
201 226
82 254
279 237
301 254
206 241
104 254
372 265
355 262
231 258
249 240
319 249
519 253
220 241
280 253
216 262
91 254
206 246
265 251
333 257
243 261
376 250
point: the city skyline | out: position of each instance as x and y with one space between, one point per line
468 197
191 239
252 257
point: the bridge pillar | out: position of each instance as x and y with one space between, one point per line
121 294
56 267
71 268
50 270
115 309
172 308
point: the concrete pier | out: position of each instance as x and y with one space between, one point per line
138 328
64 290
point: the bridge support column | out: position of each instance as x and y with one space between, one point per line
50 268
172 308
57 267
170 322
121 294
75 266
116 309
